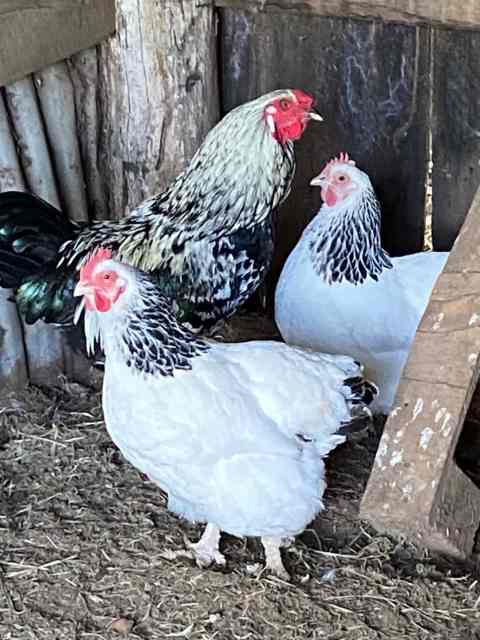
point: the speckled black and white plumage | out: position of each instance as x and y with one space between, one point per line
341 292
349 247
208 237
235 434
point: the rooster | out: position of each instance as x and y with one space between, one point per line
234 433
207 239
341 292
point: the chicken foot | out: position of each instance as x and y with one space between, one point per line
205 552
273 557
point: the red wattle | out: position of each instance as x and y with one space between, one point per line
102 303
329 196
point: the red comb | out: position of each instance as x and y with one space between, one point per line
86 272
304 99
343 158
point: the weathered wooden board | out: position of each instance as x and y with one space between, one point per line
13 364
375 107
37 33
452 13
416 488
84 74
55 93
456 131
43 343
157 97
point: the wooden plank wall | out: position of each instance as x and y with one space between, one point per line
108 128
458 13
376 107
456 130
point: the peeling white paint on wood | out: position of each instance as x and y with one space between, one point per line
438 322
397 457
425 437
417 410
474 319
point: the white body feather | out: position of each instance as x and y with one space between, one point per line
222 440
374 322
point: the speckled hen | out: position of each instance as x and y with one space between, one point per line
207 238
234 433
341 292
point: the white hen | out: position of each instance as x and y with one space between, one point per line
340 292
234 433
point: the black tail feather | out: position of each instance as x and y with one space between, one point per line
31 234
360 393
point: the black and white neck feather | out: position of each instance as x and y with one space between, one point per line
346 243
145 334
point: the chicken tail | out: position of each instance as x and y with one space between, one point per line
360 393
31 234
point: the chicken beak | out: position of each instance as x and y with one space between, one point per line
318 181
82 289
314 115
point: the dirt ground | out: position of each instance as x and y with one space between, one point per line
83 535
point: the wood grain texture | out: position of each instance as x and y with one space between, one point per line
43 343
13 363
449 13
55 92
157 96
465 254
375 107
456 131
37 33
415 487
84 74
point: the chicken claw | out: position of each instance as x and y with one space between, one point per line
205 552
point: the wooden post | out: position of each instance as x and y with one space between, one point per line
84 73
13 364
43 343
416 488
55 91
157 96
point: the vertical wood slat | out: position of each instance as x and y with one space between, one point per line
136 132
456 131
157 96
13 362
56 96
43 343
371 85
84 73
55 92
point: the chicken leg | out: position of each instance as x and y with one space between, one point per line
206 551
273 557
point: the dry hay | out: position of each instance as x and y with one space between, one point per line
83 534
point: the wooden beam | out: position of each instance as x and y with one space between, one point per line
416 488
447 13
37 33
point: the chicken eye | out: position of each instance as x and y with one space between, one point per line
342 178
107 276
284 104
